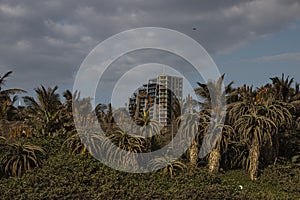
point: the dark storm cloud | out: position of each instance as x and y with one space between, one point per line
44 42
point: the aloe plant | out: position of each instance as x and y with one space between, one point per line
18 158
167 165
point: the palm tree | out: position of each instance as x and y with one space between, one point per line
44 114
149 129
188 126
284 92
69 99
257 119
216 135
7 109
84 137
257 130
8 112
220 146
7 92
283 88
66 114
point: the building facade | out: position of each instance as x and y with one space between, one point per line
161 97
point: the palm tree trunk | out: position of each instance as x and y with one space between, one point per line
254 160
214 161
194 152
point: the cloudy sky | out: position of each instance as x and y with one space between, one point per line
45 42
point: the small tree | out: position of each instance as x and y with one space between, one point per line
44 114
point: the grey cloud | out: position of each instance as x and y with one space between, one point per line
295 56
45 41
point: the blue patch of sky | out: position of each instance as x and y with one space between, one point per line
242 66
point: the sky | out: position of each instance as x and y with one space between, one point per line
45 42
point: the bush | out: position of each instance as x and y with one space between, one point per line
18 158
83 177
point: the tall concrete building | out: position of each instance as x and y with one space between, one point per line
160 96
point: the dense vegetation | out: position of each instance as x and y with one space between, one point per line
256 154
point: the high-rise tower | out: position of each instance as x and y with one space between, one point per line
161 96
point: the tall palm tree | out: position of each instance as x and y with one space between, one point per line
216 135
286 93
257 129
188 126
66 114
220 145
257 119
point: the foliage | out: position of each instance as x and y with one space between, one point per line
260 123
19 132
74 177
74 144
7 109
216 134
2 139
18 158
189 129
150 130
167 165
83 142
127 141
45 113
